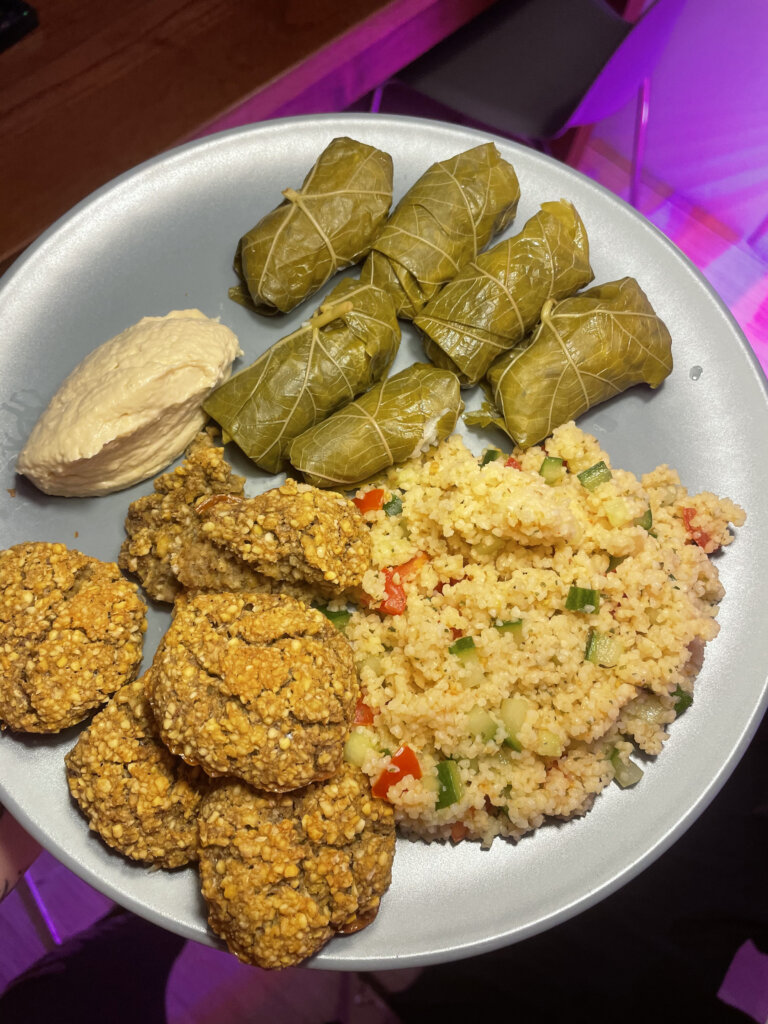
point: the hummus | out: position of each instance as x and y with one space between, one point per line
131 407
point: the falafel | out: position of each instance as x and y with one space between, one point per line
294 533
141 800
163 527
71 634
258 686
283 873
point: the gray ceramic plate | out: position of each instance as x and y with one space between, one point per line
162 237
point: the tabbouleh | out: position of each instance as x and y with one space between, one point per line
520 696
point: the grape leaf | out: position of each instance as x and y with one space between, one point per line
346 346
441 223
586 349
497 298
327 225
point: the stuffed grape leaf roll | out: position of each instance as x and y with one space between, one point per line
346 346
327 225
586 349
394 421
455 208
496 298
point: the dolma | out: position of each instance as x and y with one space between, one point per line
327 225
496 299
455 208
586 349
346 346
394 421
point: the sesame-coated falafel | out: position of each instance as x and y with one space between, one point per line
283 873
294 533
71 633
141 799
258 686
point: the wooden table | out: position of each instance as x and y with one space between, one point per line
100 85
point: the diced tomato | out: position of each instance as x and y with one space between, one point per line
403 762
442 584
412 566
363 714
371 501
459 831
395 600
701 537
512 461
456 633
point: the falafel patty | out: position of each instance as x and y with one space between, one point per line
71 633
294 532
141 799
283 873
163 526
258 686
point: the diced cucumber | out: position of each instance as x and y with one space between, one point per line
357 748
394 506
582 599
548 744
513 712
490 456
481 723
595 475
463 647
451 787
603 649
513 626
626 773
682 700
645 520
617 512
552 469
339 617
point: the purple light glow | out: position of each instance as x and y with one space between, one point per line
49 922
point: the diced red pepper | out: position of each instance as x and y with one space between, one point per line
363 714
403 762
701 537
371 501
456 633
512 461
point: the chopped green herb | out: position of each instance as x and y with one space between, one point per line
582 599
490 456
595 475
614 560
394 506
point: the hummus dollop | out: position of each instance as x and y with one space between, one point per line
130 407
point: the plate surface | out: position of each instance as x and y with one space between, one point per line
162 237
